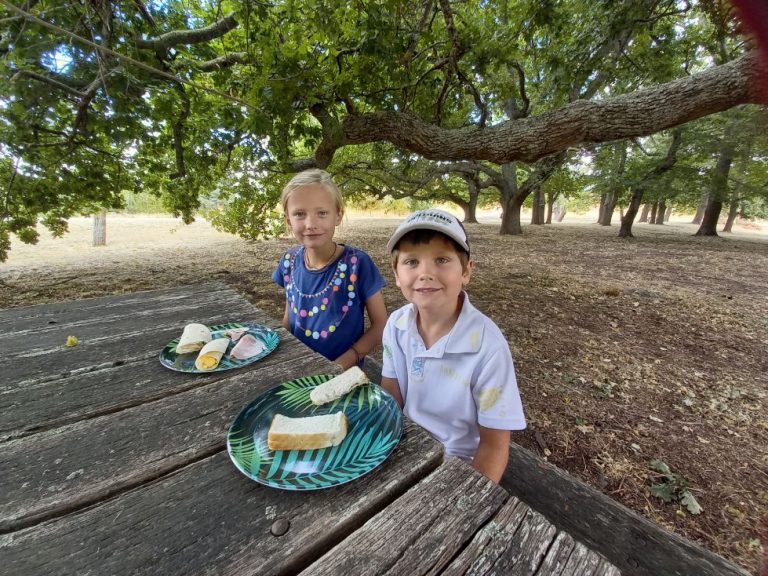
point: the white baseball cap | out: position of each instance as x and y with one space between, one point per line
431 219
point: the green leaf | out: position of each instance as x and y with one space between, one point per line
690 502
663 491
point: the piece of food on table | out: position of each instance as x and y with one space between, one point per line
246 347
211 354
235 334
194 337
307 433
337 386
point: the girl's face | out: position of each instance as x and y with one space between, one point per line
312 215
431 275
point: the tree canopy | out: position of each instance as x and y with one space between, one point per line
187 98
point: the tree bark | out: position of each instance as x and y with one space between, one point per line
612 196
661 212
100 228
636 114
733 209
699 216
668 214
652 216
637 189
644 214
718 189
537 207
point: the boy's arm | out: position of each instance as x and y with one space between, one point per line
492 453
377 315
392 386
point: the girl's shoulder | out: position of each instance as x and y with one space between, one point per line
350 250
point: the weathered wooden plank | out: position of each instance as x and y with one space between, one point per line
582 562
490 541
67 468
39 316
632 543
514 542
110 324
105 349
55 401
557 556
207 518
423 530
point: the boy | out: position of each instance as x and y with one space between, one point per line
447 364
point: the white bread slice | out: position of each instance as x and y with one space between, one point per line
306 433
337 386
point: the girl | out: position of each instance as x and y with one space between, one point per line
328 286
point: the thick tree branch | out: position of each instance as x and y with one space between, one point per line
176 37
223 62
637 114
68 87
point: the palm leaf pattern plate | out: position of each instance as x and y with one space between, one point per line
375 424
186 362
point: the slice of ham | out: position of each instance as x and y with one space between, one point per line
235 334
246 347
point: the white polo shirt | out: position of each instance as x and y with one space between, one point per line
466 378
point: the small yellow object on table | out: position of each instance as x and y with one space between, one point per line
211 354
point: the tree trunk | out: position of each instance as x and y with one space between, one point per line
733 210
644 213
638 188
608 208
550 204
661 212
100 228
717 191
697 218
470 213
652 216
601 209
537 207
621 212
668 214
510 219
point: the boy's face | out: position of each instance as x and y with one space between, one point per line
431 275
312 215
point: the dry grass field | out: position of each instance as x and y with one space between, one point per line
627 352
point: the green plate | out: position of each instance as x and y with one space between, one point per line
186 362
375 424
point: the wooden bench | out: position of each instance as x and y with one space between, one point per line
632 543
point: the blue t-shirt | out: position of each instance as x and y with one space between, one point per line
326 308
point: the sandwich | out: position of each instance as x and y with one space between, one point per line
308 433
211 354
337 386
194 337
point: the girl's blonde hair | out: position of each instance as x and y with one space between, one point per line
307 178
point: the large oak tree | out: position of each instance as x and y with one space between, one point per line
176 96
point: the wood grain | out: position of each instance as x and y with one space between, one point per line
635 545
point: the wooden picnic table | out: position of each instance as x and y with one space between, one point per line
113 464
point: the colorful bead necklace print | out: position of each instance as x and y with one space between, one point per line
304 305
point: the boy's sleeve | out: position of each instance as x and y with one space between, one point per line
389 345
496 395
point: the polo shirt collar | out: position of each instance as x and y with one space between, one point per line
466 336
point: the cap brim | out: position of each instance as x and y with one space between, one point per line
400 232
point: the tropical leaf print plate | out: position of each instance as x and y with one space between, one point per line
186 362
375 424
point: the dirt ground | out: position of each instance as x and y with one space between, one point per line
626 351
